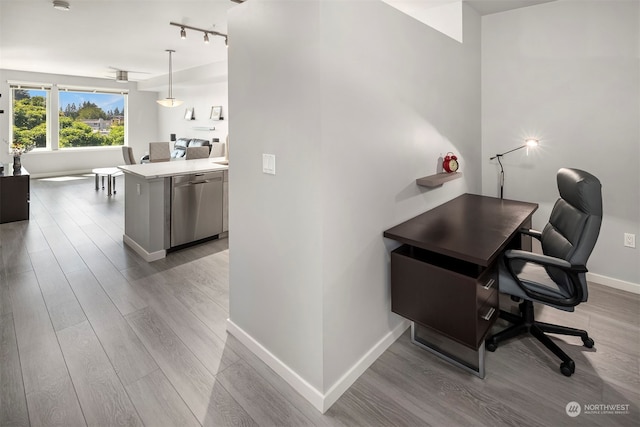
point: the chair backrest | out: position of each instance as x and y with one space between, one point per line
217 149
197 152
127 153
574 223
159 152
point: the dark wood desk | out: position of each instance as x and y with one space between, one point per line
445 276
14 195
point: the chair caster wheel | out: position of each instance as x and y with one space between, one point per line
588 342
567 368
490 346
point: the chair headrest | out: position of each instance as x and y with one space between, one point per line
581 189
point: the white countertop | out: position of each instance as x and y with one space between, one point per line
175 167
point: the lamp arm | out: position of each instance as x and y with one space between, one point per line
507 152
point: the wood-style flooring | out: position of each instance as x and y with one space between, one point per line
90 334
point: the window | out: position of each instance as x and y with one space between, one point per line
91 118
30 114
86 117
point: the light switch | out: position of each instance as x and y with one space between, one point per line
269 163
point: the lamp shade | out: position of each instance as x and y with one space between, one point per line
169 102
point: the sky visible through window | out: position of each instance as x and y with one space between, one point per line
106 101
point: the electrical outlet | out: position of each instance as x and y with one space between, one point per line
629 240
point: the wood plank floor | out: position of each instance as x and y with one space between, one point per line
93 335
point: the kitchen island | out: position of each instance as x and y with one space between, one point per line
170 204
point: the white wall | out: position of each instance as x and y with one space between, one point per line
353 117
142 126
275 222
393 102
200 88
568 73
201 98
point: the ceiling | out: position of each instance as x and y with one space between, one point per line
96 37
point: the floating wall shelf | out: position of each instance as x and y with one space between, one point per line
438 179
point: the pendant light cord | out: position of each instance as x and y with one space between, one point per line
170 76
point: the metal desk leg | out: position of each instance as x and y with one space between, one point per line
114 185
108 184
476 368
96 182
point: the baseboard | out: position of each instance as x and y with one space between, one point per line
614 283
350 377
148 256
309 392
322 402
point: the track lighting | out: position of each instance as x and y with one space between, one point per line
183 32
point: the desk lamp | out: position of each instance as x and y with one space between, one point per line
529 142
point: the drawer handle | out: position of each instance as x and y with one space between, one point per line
489 314
489 285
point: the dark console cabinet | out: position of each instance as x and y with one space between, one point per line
14 195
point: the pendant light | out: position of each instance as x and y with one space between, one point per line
170 101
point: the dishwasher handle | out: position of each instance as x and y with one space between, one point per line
195 182
219 178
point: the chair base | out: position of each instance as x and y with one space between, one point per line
526 323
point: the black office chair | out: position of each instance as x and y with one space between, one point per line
556 278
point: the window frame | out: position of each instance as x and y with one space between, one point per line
91 89
48 89
53 108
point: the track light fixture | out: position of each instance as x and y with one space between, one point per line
183 32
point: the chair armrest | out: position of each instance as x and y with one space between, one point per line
546 260
533 233
570 270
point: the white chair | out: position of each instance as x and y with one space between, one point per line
197 152
217 149
159 152
127 153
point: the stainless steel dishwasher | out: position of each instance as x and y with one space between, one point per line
196 207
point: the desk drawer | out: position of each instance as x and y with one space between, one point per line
487 314
486 284
443 294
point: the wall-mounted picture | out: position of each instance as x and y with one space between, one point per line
189 114
216 113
